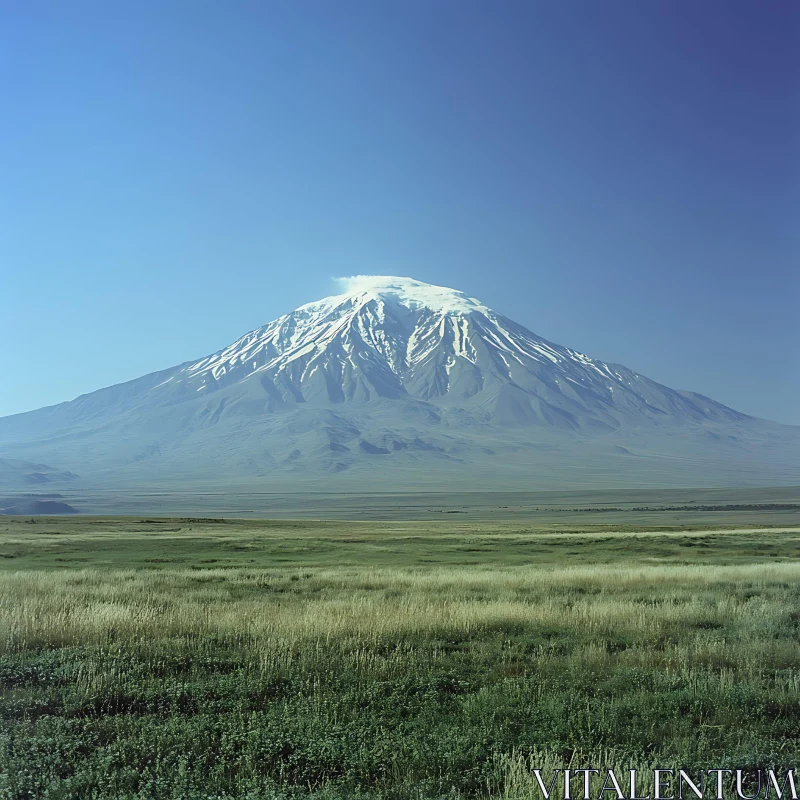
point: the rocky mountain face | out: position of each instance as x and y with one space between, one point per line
397 383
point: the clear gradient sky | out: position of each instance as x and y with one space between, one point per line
622 177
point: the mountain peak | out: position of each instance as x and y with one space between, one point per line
408 292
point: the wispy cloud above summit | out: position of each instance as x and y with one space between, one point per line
363 283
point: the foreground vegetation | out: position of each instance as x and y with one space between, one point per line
191 659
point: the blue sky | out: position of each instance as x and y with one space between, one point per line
622 177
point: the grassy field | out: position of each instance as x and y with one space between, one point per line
773 505
180 658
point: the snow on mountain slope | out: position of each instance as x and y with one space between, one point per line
395 369
395 337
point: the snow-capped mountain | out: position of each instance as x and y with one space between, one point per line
423 376
399 338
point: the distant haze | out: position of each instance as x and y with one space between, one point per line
621 178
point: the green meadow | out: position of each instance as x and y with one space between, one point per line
190 658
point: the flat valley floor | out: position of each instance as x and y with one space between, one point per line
194 657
